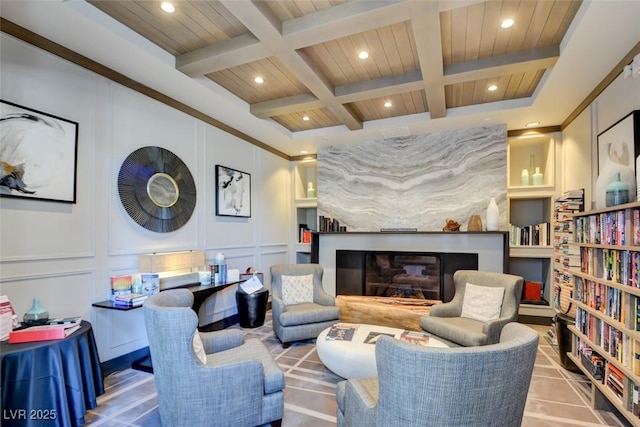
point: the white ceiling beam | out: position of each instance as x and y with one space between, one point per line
486 68
360 91
219 56
384 86
426 31
292 104
342 21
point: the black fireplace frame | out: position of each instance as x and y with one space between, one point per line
351 268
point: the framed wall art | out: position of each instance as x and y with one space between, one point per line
233 192
619 152
38 154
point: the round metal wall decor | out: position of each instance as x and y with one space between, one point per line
157 189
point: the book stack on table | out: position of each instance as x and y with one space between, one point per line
55 329
130 300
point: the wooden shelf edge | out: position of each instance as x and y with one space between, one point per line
608 209
607 319
625 288
608 394
625 370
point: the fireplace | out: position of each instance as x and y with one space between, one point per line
421 275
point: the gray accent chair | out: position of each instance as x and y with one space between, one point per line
306 320
432 386
240 384
444 319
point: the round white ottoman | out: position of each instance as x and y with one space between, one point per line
355 358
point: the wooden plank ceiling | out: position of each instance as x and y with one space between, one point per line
424 56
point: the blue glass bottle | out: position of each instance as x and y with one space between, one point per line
617 192
36 315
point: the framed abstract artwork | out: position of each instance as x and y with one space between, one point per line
38 154
618 153
620 142
233 192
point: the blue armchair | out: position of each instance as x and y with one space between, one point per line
308 317
444 387
447 320
214 378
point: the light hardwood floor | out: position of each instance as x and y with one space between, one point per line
556 398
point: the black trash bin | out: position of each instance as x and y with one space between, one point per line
563 335
252 308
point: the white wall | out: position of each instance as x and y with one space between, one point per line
65 253
580 138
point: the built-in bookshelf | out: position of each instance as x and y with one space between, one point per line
305 207
530 206
532 256
606 335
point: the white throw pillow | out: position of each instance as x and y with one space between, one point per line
297 289
482 302
198 348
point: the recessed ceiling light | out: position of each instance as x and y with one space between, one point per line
532 124
492 88
168 7
363 55
304 152
388 104
259 80
305 118
507 23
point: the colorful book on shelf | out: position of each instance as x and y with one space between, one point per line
120 285
151 283
42 333
414 337
341 332
635 226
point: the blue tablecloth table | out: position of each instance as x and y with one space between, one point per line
50 383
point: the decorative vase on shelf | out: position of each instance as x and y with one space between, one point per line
617 192
36 314
532 165
492 215
524 177
537 177
311 192
606 176
475 223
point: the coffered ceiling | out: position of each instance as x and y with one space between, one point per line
431 62
424 56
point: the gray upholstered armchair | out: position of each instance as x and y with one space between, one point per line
300 315
450 321
214 378
433 386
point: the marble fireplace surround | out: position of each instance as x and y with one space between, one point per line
491 247
415 182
